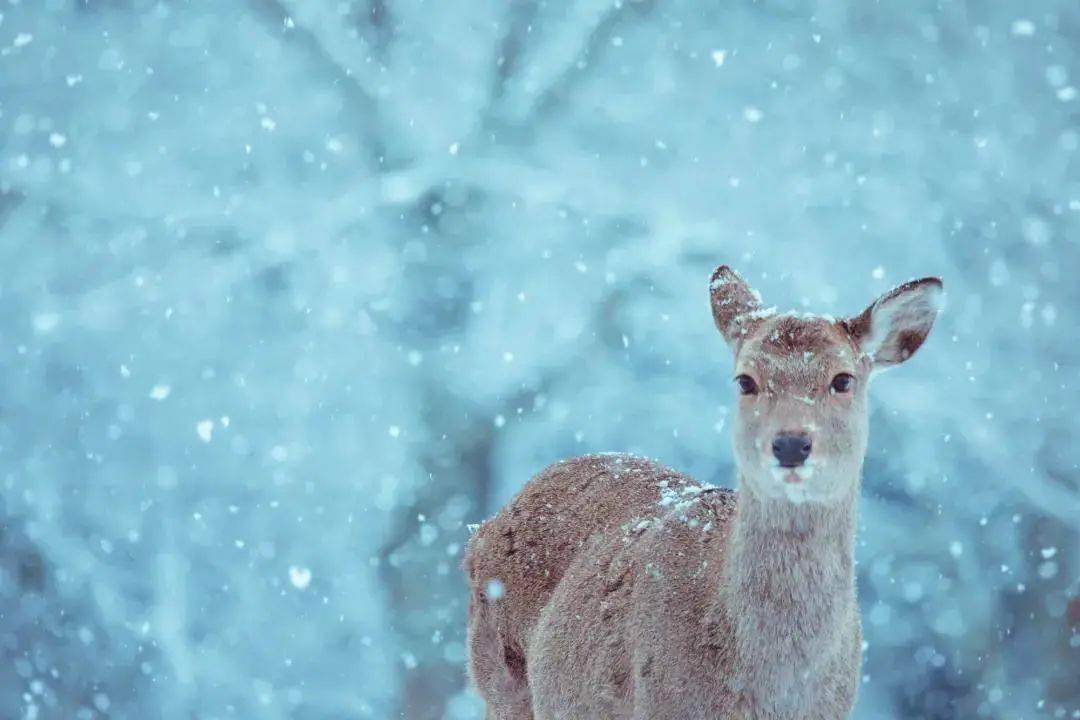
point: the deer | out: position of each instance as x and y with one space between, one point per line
615 587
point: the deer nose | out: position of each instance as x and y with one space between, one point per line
791 449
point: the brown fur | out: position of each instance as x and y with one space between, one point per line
626 590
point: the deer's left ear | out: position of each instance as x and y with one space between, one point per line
897 323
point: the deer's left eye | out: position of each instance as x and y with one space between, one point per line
842 383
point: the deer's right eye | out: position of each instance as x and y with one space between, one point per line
746 384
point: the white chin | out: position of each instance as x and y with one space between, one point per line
796 493
792 484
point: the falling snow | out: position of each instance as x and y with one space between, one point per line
298 293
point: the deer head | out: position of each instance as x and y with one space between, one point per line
802 380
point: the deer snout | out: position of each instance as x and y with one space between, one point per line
791 449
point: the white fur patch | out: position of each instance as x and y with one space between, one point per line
796 493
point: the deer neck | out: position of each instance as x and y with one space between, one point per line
787 595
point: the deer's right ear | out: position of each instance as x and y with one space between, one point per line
733 302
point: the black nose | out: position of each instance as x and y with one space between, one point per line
791 449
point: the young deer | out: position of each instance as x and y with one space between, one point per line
614 587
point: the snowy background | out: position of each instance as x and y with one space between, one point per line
291 291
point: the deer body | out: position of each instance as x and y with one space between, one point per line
614 587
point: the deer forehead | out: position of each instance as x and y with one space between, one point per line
791 352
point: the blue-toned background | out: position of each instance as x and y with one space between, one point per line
292 291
